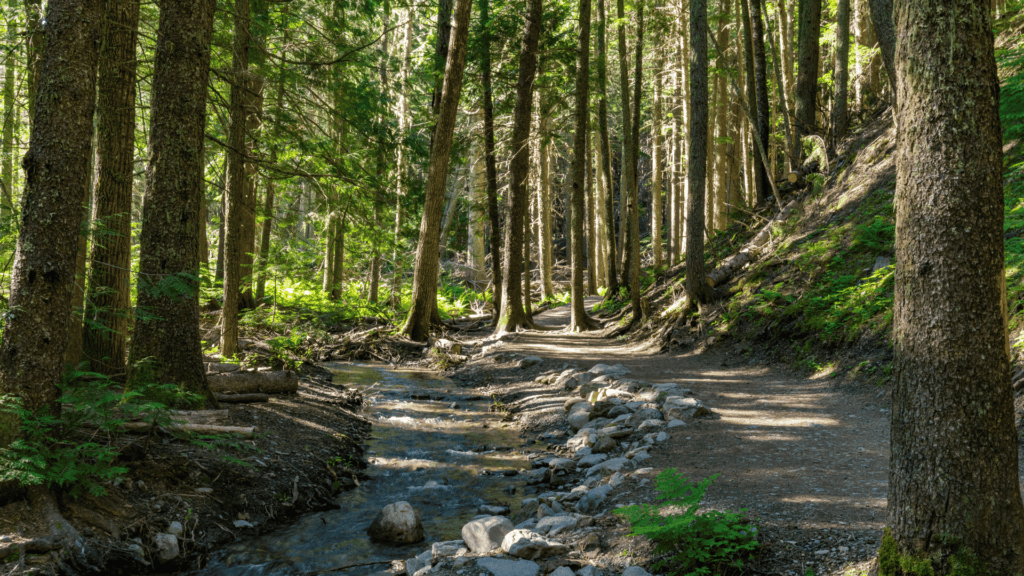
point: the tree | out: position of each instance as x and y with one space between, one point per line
236 192
56 165
634 183
841 76
954 491
109 301
489 160
807 73
627 167
696 167
513 315
604 144
881 19
761 94
424 287
167 321
579 320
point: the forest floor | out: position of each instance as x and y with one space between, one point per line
807 456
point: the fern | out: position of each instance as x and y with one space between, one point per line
690 543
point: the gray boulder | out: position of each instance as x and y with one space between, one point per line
530 361
679 408
635 571
486 534
502 567
166 547
562 464
641 416
447 549
593 459
419 562
563 571
552 525
609 467
531 546
397 523
592 499
579 416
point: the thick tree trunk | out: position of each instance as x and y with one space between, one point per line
591 218
628 169
167 324
477 216
544 191
634 183
841 75
882 19
35 40
57 174
338 262
234 212
717 203
268 382
424 289
73 352
807 73
696 168
252 98
751 172
512 314
579 321
611 276
109 302
489 159
7 145
761 92
658 144
953 485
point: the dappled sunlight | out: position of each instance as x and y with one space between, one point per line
753 418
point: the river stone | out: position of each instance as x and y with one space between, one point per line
661 437
635 571
677 407
485 534
648 425
620 410
576 380
604 444
491 510
419 562
676 423
593 459
617 371
502 567
531 546
649 395
543 511
562 464
672 390
616 480
609 467
445 549
588 571
562 378
530 361
593 499
585 438
397 523
572 402
166 547
562 571
527 524
175 529
579 416
641 416
552 525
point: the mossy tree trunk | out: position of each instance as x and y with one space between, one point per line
807 71
167 324
953 485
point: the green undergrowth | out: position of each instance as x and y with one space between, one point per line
689 542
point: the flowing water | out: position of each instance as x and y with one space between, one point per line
443 460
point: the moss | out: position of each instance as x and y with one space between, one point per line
892 563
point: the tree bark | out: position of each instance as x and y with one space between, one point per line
477 215
56 179
544 192
167 324
579 321
628 169
761 94
634 185
658 144
236 192
882 20
7 161
512 314
73 352
338 264
109 302
954 489
401 164
269 382
489 159
696 169
268 228
807 73
424 289
841 75
611 277
591 217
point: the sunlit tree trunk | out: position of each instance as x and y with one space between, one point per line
658 146
954 492
489 159
628 169
634 186
424 297
579 320
401 167
268 227
720 211
841 75
807 72
7 161
338 266
512 314
882 18
611 277
591 217
545 239
696 170
167 320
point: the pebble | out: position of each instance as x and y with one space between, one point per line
175 529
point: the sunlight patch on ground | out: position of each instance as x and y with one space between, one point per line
753 418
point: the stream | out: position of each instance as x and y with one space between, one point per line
433 445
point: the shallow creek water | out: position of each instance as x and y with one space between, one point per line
444 461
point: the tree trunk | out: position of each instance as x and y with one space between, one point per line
527 233
807 73
252 98
489 159
477 216
512 314
591 217
73 352
167 323
696 168
7 161
109 302
657 167
954 492
234 212
424 289
544 190
628 169
579 321
761 92
219 269
882 20
634 183
841 75
338 265
718 205
600 236
268 227
401 168
611 276
751 171
56 179
35 41
330 230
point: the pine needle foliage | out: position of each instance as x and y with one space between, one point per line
691 543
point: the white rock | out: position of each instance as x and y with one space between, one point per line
648 425
617 371
593 459
579 416
609 467
661 437
543 511
563 571
552 525
616 480
502 567
635 571
676 423
491 510
679 408
397 523
166 547
562 464
448 549
423 571
593 499
485 534
243 524
531 546
175 529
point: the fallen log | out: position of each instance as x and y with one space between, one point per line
750 251
242 398
221 367
144 427
216 417
268 381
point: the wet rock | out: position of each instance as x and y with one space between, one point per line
530 361
579 416
531 546
593 499
485 534
166 547
502 567
609 467
676 423
562 571
493 510
635 571
552 525
593 459
397 523
421 561
448 549
562 464
617 370
679 408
